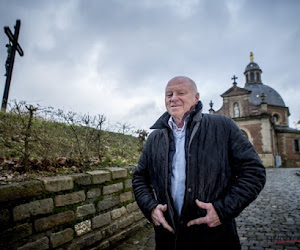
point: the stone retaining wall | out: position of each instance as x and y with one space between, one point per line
94 210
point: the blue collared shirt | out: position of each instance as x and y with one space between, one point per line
178 174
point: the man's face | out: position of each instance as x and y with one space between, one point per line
180 97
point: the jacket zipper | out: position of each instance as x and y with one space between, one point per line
187 181
166 180
187 165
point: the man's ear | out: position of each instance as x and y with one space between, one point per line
197 97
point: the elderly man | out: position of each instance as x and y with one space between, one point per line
197 172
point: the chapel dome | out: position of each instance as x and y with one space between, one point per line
257 88
272 96
252 66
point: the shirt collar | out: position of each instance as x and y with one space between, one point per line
174 126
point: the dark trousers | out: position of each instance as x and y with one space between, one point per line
222 237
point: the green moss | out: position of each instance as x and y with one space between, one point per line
128 202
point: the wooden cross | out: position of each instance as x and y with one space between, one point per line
12 47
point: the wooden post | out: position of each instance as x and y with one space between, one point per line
13 42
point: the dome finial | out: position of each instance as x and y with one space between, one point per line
251 57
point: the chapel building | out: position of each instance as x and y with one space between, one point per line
262 115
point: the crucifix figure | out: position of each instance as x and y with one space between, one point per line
12 47
234 78
8 46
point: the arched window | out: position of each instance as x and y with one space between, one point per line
257 77
251 77
236 110
276 118
247 78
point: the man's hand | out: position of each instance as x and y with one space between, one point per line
211 218
158 217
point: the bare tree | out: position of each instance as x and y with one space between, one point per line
125 128
27 133
24 114
88 123
71 118
100 120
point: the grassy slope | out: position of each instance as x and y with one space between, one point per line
49 141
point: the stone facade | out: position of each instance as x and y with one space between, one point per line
82 211
262 116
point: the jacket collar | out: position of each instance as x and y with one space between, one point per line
162 121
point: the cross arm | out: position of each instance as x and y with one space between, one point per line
11 37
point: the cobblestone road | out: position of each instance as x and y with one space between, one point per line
272 221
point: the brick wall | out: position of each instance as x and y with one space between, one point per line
282 112
255 131
289 157
94 210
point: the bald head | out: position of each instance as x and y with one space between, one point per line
183 79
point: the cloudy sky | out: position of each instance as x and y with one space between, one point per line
114 57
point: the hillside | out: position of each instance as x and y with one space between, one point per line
38 141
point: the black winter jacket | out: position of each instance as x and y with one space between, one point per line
222 168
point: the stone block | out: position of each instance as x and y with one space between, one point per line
128 183
40 244
101 220
116 238
93 193
138 215
33 208
20 190
126 221
68 199
99 176
102 246
142 223
54 220
62 237
86 240
117 213
118 173
16 233
132 207
83 227
113 188
134 227
4 216
108 203
57 183
81 179
110 230
85 210
127 196
130 169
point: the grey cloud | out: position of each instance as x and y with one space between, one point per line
144 43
